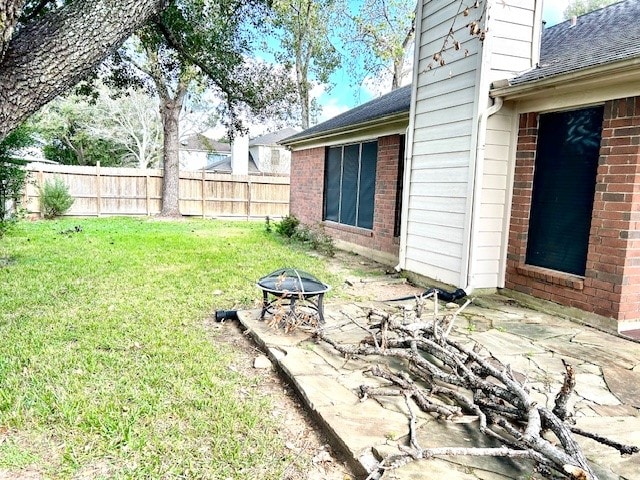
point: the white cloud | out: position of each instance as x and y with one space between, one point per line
332 108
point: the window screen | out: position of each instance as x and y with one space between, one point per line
563 188
350 178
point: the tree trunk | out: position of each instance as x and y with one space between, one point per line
10 11
170 113
397 73
51 54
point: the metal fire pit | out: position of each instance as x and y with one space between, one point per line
292 293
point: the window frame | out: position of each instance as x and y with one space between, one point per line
339 219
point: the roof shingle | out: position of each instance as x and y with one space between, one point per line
603 36
397 101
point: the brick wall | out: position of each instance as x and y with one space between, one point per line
306 198
611 285
307 184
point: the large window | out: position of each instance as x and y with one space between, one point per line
564 183
350 180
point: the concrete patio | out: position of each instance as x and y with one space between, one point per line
606 399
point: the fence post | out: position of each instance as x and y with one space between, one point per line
146 191
40 182
25 191
248 198
98 194
204 183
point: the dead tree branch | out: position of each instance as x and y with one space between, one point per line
446 379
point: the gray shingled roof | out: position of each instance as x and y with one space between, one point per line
392 103
205 144
274 137
224 166
603 36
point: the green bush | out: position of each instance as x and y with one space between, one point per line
287 226
55 199
12 177
315 238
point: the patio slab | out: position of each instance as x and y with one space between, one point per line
606 399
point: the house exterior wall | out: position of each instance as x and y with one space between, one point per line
307 200
458 181
271 158
611 284
493 221
442 128
192 159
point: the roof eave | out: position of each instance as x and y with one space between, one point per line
351 129
620 70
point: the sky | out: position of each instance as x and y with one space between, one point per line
342 97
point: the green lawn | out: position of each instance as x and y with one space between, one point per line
107 369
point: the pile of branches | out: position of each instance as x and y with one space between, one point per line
447 379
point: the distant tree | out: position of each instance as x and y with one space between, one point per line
65 125
47 46
195 44
379 38
580 7
131 121
12 174
303 28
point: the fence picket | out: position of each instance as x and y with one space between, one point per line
132 191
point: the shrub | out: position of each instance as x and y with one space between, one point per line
12 176
55 199
316 239
287 226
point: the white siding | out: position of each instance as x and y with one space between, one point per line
515 42
442 142
449 171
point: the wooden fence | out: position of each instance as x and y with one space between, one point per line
132 191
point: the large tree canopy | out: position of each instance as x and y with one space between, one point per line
201 43
580 7
379 38
56 45
304 31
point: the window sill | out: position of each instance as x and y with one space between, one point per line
348 228
553 277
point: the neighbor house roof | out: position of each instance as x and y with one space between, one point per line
393 103
603 36
203 143
273 138
224 166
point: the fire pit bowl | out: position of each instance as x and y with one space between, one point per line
292 295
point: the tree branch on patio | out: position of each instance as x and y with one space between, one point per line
446 379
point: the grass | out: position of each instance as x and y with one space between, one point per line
107 369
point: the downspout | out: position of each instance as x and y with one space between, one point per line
477 186
404 200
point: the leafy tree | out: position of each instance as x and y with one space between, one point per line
304 28
194 44
580 7
132 122
47 46
65 125
12 174
379 38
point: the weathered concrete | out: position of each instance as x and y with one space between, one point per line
533 343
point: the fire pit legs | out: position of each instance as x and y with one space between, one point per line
294 296
284 300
